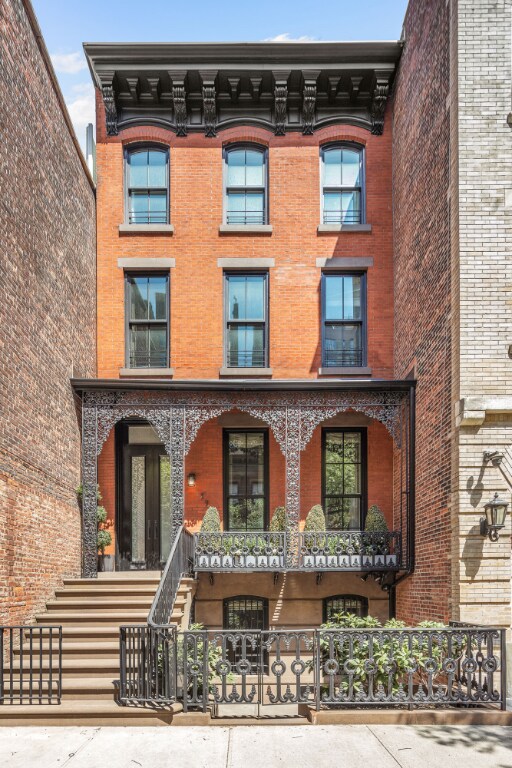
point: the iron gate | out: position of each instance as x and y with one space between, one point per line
259 667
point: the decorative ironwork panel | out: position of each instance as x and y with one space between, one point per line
349 551
240 551
293 448
287 666
408 666
89 489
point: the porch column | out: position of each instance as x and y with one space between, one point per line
89 486
292 457
176 450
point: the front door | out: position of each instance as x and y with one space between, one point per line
145 499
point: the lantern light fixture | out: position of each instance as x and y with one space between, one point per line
191 479
494 520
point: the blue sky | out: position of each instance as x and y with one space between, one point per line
66 25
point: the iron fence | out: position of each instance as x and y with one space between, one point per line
30 664
147 664
346 668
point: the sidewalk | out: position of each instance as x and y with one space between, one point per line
354 746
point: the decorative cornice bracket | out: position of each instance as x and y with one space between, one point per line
379 100
280 101
107 90
209 103
179 101
309 101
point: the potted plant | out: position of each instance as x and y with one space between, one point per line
104 540
210 545
378 546
314 542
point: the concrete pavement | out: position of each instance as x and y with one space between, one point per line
349 746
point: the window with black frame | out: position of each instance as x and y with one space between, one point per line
245 478
342 185
344 477
355 604
246 306
343 320
147 320
243 614
245 197
147 185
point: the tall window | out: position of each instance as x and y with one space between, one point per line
344 604
246 479
344 477
246 302
245 199
343 310
147 185
342 185
147 320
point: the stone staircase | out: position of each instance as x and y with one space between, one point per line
91 612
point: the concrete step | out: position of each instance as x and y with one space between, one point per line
97 618
98 606
86 713
100 687
98 590
75 668
82 649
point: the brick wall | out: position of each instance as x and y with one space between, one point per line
423 332
47 319
196 281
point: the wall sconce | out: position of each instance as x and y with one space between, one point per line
191 478
494 520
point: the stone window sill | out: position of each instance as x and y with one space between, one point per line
245 229
341 371
245 373
138 373
146 229
326 228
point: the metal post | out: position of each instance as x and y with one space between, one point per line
503 671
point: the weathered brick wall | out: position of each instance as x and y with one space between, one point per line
47 322
423 332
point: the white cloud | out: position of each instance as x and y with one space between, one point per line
285 37
81 107
68 63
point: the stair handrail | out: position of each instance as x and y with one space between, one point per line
180 563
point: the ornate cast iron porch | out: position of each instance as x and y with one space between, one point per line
291 409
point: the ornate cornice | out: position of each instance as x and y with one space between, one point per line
209 87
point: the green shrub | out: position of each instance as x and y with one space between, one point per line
211 521
101 515
375 521
315 523
278 521
104 540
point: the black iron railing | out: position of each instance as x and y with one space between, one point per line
30 664
342 358
147 653
318 551
325 668
240 550
245 217
350 550
238 357
148 217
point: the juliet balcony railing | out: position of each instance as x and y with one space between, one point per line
317 551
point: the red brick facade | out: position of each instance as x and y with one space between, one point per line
47 316
423 336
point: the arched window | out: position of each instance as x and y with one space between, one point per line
245 185
344 604
343 184
147 185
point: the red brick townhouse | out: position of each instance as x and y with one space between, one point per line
245 325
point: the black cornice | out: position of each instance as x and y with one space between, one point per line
207 87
